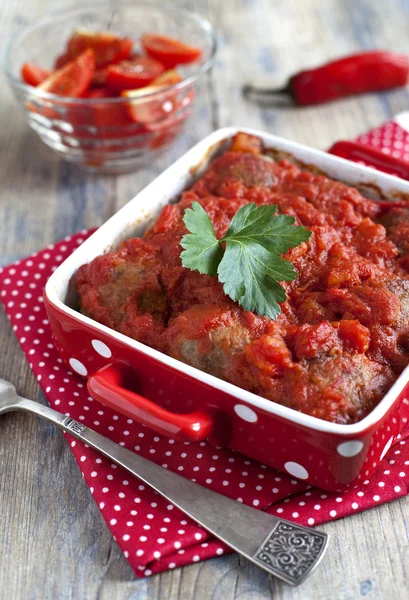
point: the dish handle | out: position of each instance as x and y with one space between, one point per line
107 386
355 151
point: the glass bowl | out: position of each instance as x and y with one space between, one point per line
98 134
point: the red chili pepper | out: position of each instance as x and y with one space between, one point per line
356 74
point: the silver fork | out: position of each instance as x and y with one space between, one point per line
282 548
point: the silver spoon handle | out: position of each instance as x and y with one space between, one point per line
284 549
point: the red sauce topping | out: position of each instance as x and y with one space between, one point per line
343 335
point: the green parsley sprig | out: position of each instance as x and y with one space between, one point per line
250 265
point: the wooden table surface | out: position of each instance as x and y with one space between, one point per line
53 541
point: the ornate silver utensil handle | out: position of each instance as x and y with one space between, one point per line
284 549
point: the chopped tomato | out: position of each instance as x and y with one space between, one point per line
167 78
99 93
134 73
126 45
100 65
168 129
147 111
159 108
100 74
34 75
107 46
169 51
99 77
107 115
73 79
61 60
142 110
173 119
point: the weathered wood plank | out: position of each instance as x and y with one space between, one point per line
54 543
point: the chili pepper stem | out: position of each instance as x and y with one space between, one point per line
261 94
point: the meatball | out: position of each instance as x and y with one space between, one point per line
400 289
390 342
341 389
187 288
211 337
344 204
122 289
396 222
248 170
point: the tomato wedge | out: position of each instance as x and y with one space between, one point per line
99 77
107 115
169 51
147 111
167 129
143 110
126 45
61 60
167 78
73 79
135 73
107 46
98 93
34 75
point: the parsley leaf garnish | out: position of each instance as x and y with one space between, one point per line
250 266
203 251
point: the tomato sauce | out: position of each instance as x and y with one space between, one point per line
342 337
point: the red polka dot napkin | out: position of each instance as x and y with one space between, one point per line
153 535
391 138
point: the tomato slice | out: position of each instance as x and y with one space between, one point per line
135 73
160 108
175 117
99 93
34 75
143 110
73 79
107 115
167 129
167 78
61 60
126 45
107 46
169 51
99 77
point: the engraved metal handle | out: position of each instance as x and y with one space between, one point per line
284 549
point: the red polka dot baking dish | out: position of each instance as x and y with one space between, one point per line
180 401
